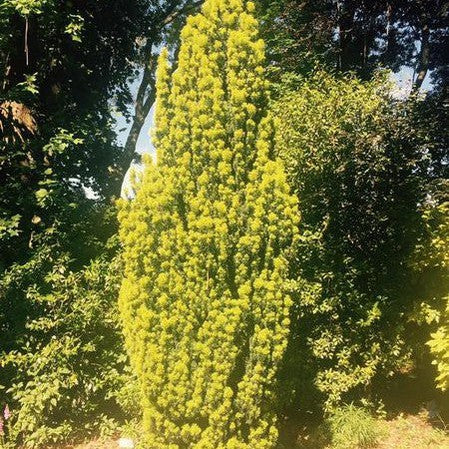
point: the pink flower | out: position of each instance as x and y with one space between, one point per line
6 412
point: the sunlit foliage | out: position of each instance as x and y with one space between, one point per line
204 302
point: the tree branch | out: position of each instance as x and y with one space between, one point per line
184 10
142 106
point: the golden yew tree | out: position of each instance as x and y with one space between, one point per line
204 300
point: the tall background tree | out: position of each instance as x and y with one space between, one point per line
360 36
164 29
66 67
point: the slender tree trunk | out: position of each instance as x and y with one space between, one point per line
145 98
345 13
424 56
146 93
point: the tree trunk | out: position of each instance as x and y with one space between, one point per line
424 56
345 13
146 93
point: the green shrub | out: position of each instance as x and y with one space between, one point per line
353 427
437 258
351 157
65 376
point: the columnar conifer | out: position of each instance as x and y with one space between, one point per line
204 300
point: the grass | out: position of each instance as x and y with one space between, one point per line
353 429
413 432
357 430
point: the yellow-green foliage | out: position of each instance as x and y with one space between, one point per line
439 343
204 300
439 346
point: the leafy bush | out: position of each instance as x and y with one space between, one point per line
353 427
64 377
439 347
437 259
351 157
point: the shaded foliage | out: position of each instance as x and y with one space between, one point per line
359 36
61 62
64 372
352 156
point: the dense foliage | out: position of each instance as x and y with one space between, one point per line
64 372
61 355
204 301
352 157
60 65
437 259
359 36
69 374
65 69
439 345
